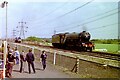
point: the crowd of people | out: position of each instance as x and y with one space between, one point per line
14 57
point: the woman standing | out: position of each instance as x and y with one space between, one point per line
44 57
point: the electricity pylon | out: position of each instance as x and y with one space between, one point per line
22 29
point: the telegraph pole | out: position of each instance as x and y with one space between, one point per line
5 4
6 18
22 29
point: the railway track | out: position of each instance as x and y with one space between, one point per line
101 55
94 54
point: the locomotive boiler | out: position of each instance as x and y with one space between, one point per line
77 41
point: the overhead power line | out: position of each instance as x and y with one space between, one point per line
68 12
103 26
89 22
91 29
90 17
55 10
75 9
51 12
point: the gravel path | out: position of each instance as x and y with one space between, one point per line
49 72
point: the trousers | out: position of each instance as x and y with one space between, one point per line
32 64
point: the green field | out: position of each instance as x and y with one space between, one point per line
112 48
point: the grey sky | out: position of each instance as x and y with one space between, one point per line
43 17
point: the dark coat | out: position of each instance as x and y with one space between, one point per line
22 57
29 57
44 56
11 58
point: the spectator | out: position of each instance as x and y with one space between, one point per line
2 47
9 65
43 58
30 59
22 59
17 55
8 47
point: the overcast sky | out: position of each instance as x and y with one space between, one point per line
44 17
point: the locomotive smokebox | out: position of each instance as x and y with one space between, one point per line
84 36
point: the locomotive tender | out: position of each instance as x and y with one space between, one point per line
77 41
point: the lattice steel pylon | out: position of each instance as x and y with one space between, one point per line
22 29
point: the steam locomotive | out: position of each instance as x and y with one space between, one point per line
77 41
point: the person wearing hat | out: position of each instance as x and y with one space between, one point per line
10 63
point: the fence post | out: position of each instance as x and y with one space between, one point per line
54 58
5 52
77 65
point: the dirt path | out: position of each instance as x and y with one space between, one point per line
50 72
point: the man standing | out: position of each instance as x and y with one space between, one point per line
22 59
30 59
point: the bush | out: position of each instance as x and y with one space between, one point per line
106 41
33 39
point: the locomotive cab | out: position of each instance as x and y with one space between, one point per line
58 40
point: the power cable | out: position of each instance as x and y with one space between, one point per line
43 17
90 28
89 21
75 9
91 17
68 12
103 26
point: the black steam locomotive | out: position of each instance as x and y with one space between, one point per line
77 41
